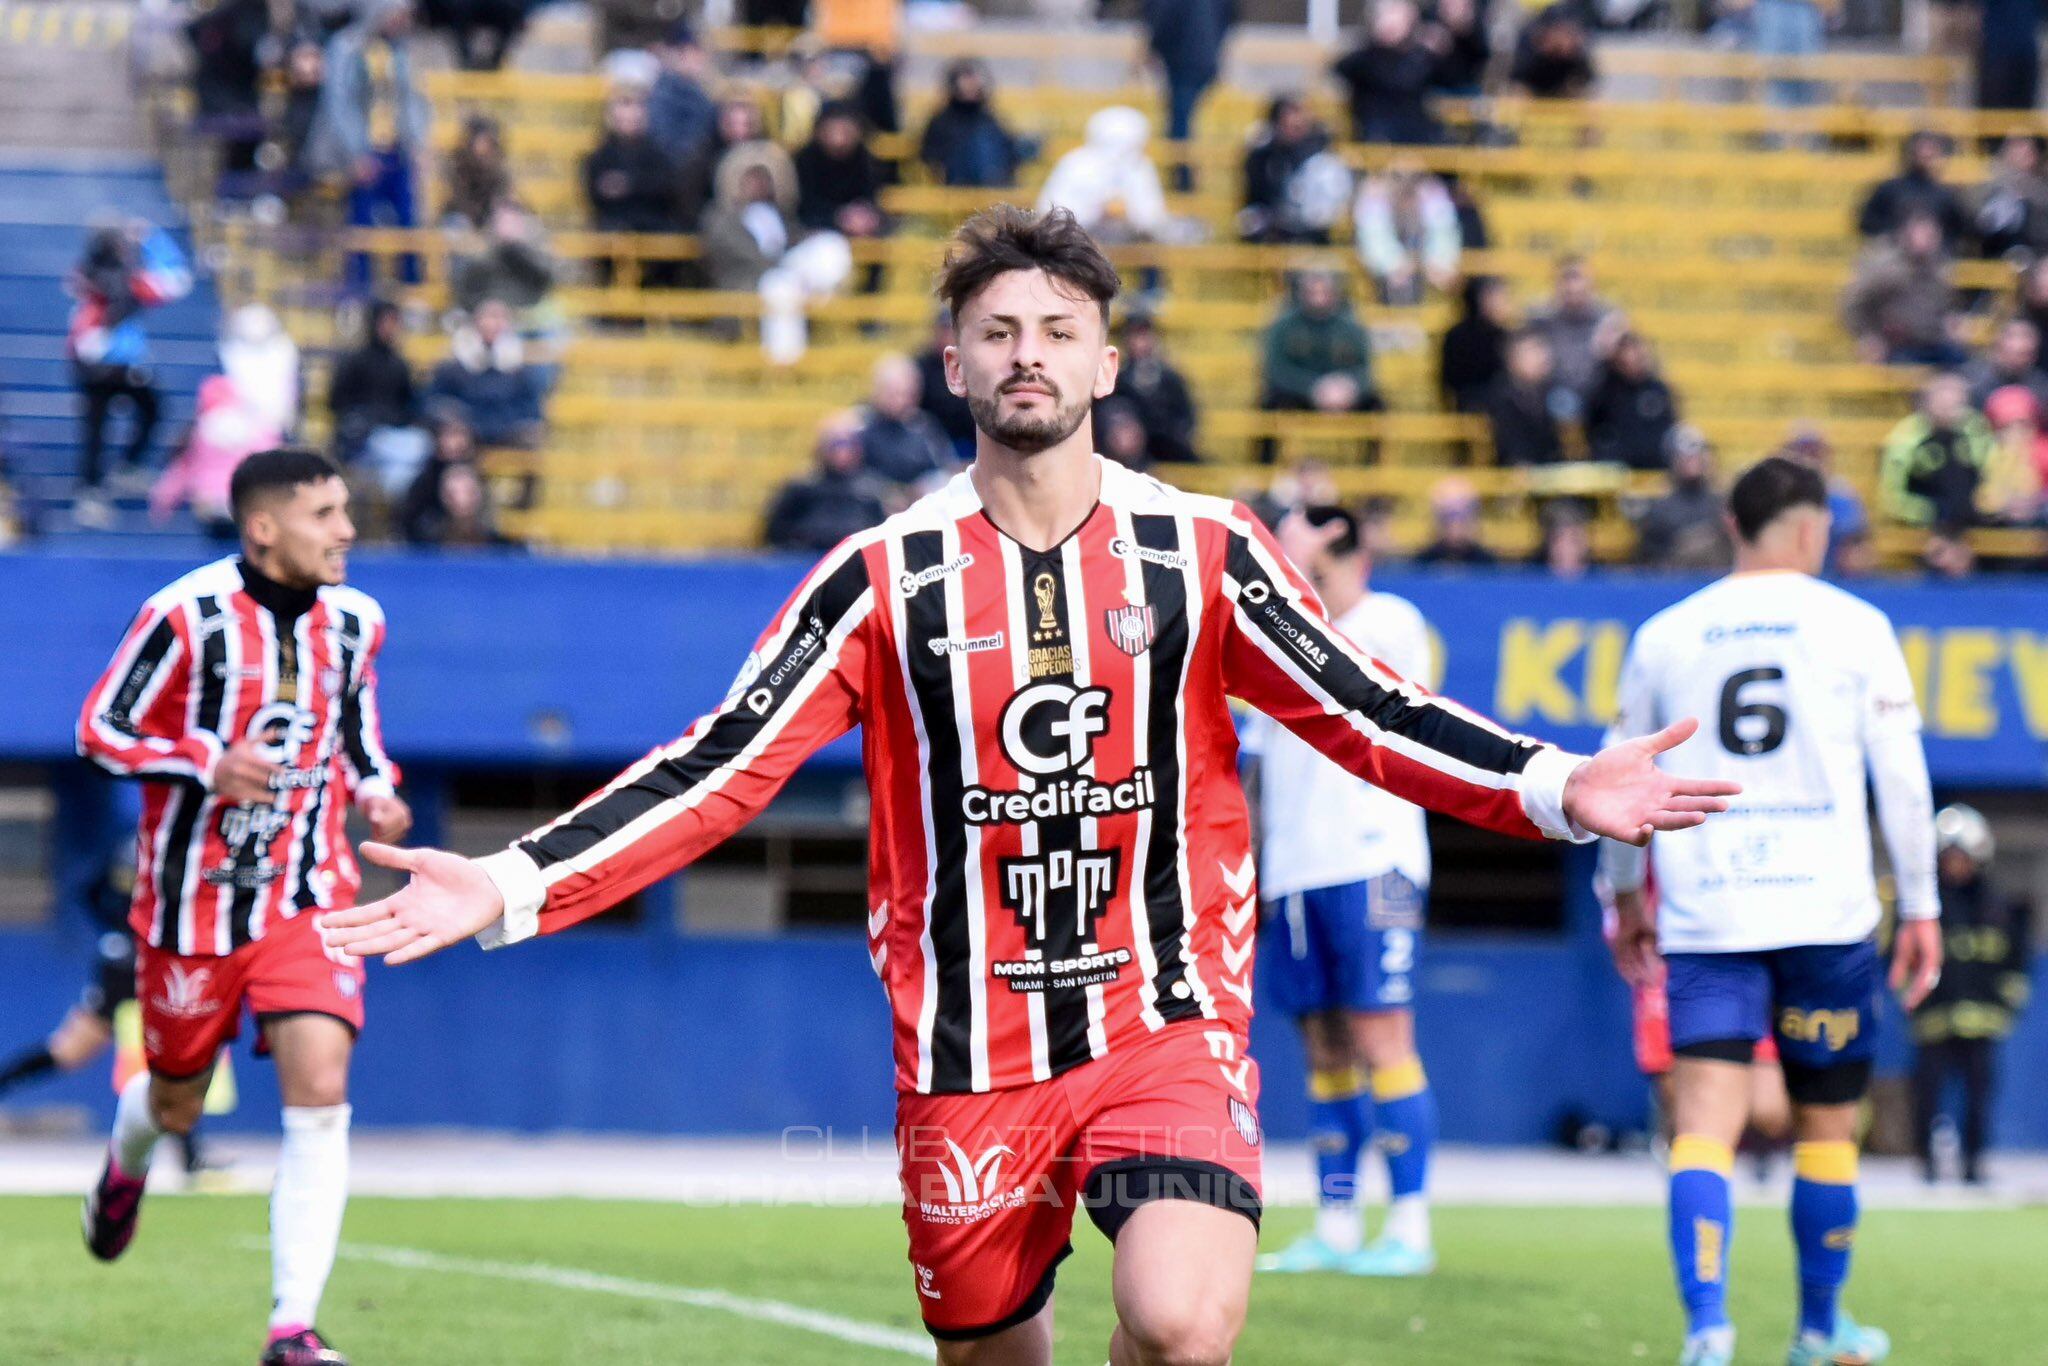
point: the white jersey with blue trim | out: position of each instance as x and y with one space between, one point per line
1802 693
1320 826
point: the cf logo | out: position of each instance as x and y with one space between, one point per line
1076 719
279 730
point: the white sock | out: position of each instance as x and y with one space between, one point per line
135 1128
1340 1226
305 1209
1408 1222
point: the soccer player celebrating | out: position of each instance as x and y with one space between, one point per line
1765 919
244 696
1060 854
1344 869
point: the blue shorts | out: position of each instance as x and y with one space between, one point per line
1350 947
1820 1001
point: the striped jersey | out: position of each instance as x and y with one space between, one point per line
1059 850
222 655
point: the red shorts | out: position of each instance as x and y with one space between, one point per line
991 1181
192 1006
1653 1034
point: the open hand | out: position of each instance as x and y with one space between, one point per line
1622 794
448 899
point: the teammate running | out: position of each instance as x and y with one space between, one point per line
1766 918
1060 856
1344 869
245 696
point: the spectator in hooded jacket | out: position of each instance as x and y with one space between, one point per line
1474 352
1553 57
838 180
752 241
1687 528
1521 407
813 513
1109 182
487 374
965 143
1158 394
1390 77
376 404
628 178
479 176
738 124
1318 357
1290 139
1631 411
1918 188
226 430
125 271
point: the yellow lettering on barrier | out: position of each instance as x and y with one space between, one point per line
2030 673
1604 651
1532 658
1962 696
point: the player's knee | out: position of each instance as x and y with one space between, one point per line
1183 1330
318 1087
176 1109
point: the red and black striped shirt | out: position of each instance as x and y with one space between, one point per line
221 655
1060 854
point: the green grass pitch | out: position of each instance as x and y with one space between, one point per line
1535 1286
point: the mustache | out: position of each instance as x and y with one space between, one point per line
1016 382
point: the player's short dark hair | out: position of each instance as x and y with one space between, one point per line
1004 238
277 471
1770 487
1347 541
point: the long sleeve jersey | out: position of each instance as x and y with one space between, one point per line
221 655
1060 856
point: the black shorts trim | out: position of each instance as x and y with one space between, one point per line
1115 1190
1718 1050
265 1017
1843 1084
1027 1310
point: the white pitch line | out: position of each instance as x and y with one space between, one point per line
875 1335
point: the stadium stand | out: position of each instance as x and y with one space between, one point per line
43 211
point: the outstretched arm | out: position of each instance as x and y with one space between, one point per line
1282 656
800 689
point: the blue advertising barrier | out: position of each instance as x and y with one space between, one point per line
525 662
535 661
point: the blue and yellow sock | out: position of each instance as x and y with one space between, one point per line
1702 1226
1339 1124
1823 1228
1404 1113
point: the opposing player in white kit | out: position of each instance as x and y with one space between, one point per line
1344 869
1766 917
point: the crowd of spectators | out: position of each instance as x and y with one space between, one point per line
780 193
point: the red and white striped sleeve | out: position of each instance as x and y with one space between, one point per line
799 690
1281 655
124 726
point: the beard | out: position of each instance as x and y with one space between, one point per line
1026 433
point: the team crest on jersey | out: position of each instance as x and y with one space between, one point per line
1132 629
